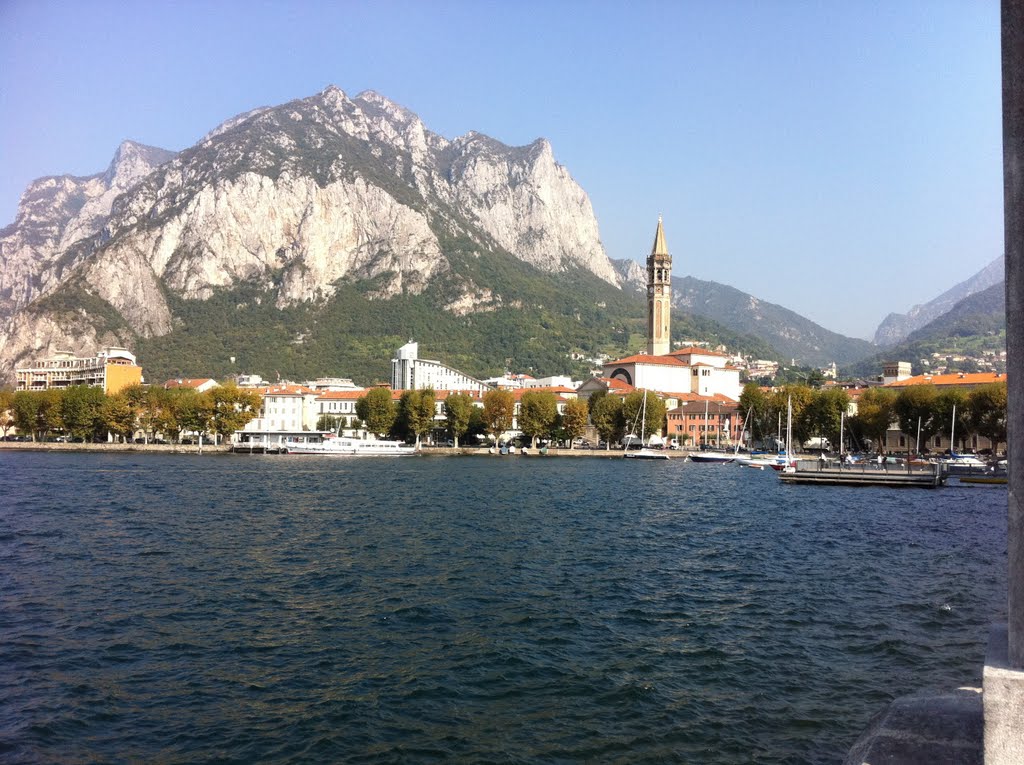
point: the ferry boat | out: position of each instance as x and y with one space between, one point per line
352 447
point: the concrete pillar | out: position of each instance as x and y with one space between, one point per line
1003 677
1013 212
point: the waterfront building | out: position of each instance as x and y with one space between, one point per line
897 441
111 370
286 407
409 372
699 420
687 370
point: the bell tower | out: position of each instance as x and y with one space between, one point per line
659 295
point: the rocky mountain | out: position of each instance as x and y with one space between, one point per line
791 336
968 337
897 327
287 204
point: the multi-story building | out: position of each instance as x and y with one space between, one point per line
112 370
409 372
198 384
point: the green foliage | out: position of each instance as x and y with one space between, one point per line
987 411
823 414
538 414
876 410
118 416
232 408
499 408
654 414
327 422
608 418
574 419
917 405
377 410
415 414
6 410
458 410
81 410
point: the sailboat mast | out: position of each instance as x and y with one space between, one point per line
842 417
952 431
917 446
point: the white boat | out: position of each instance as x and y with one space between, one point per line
712 456
341 446
643 453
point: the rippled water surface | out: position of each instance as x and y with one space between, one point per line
288 609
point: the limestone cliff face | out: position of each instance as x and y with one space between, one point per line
295 199
55 217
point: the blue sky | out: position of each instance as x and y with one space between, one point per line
841 159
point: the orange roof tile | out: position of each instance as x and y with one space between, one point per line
954 378
693 349
643 358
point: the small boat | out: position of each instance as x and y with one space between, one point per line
712 456
351 447
645 452
986 478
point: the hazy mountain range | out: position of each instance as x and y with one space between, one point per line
316 236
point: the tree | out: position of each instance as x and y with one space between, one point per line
607 418
876 411
595 397
824 411
6 411
81 411
499 408
986 407
458 409
538 413
327 422
754 402
654 413
574 419
415 413
232 408
800 396
917 404
25 410
193 411
118 415
377 410
950 404
47 413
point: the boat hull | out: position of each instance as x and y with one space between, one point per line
342 447
813 472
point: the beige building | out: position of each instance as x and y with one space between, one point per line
111 370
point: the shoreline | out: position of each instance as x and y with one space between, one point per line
430 451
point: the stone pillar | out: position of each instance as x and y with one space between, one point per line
1013 212
1003 677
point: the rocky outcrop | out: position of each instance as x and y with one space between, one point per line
295 199
56 216
896 327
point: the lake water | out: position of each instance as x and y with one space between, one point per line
185 609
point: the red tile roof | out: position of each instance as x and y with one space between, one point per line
954 378
693 349
643 358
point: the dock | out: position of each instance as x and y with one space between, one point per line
923 476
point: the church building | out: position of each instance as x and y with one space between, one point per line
688 370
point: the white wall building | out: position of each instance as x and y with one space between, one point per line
409 372
687 370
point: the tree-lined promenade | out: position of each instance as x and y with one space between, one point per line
85 415
921 412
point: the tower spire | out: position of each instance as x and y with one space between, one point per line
659 294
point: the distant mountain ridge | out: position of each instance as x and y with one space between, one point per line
898 327
792 336
296 201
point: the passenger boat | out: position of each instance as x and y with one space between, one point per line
351 447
